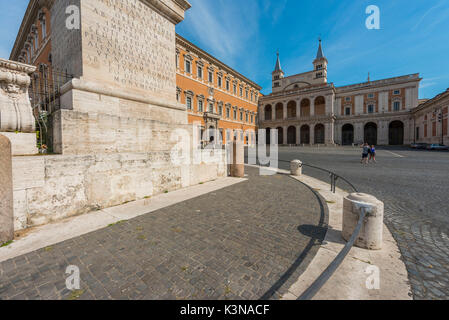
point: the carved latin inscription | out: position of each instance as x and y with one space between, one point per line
127 43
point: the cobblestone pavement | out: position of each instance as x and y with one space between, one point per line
415 187
242 242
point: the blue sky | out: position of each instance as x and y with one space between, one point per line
245 34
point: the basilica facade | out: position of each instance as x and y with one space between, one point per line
305 109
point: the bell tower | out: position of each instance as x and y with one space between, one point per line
277 74
320 64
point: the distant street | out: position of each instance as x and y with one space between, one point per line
414 186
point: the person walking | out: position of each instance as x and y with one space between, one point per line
365 153
372 154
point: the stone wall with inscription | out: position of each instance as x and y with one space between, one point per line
129 45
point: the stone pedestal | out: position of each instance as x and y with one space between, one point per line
370 236
123 95
22 144
6 192
296 168
238 160
17 121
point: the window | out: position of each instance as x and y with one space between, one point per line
348 99
36 41
319 67
235 88
319 75
246 119
241 91
348 111
276 85
44 28
235 114
241 116
178 94
396 92
228 113
370 108
227 85
188 66
252 96
220 110
211 76
396 106
189 103
219 81
200 105
211 108
246 93
252 118
371 95
200 72
276 77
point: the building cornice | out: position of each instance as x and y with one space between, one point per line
173 10
30 16
16 66
379 83
375 116
311 90
431 102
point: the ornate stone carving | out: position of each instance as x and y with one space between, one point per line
15 108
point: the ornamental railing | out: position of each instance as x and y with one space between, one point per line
45 98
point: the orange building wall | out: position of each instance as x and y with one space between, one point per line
191 82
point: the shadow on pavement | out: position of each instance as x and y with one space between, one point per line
316 238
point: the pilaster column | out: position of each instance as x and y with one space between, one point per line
329 105
285 129
359 132
338 133
285 111
382 133
329 133
312 134
298 109
261 113
298 134
312 107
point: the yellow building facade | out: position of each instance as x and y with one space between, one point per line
217 97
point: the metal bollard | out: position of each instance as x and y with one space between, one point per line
371 234
296 168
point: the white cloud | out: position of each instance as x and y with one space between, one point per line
274 9
224 29
420 20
